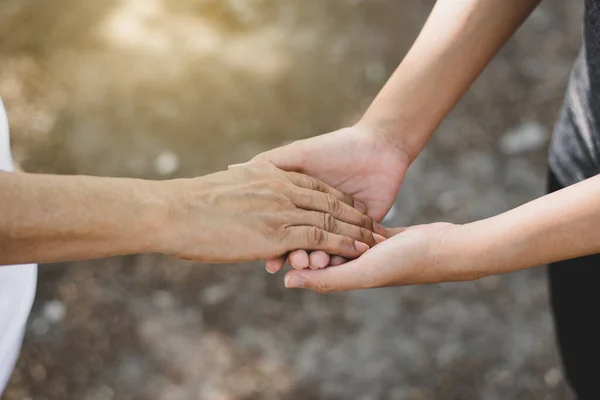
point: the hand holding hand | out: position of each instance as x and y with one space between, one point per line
256 211
414 255
356 161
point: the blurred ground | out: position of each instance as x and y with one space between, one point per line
158 89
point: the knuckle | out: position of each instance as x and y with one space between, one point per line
316 236
323 287
309 182
329 222
287 190
281 187
367 237
285 234
333 205
368 223
320 185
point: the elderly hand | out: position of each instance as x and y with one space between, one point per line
256 211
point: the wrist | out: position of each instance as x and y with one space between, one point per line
407 140
157 211
187 217
482 248
463 253
387 136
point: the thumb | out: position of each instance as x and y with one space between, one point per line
350 276
291 157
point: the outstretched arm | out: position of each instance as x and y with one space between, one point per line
555 227
458 40
246 213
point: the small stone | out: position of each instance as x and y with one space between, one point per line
448 353
163 299
553 377
43 122
505 378
40 326
192 316
475 164
38 373
522 175
448 201
528 137
166 163
375 72
215 294
102 393
490 282
54 311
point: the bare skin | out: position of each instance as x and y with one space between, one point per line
369 160
457 42
246 213
536 233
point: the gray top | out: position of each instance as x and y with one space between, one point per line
575 147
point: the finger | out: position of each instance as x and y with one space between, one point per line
379 238
318 260
274 265
337 260
379 229
308 182
314 238
327 203
329 223
350 276
299 259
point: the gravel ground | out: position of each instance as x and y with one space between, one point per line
158 89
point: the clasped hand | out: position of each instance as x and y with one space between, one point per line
256 211
366 165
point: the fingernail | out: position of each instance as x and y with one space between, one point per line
361 247
294 282
378 238
268 270
378 228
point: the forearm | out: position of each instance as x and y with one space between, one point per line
458 40
558 226
46 218
249 212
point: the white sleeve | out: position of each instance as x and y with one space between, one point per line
5 157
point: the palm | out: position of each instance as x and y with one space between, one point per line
353 161
408 258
